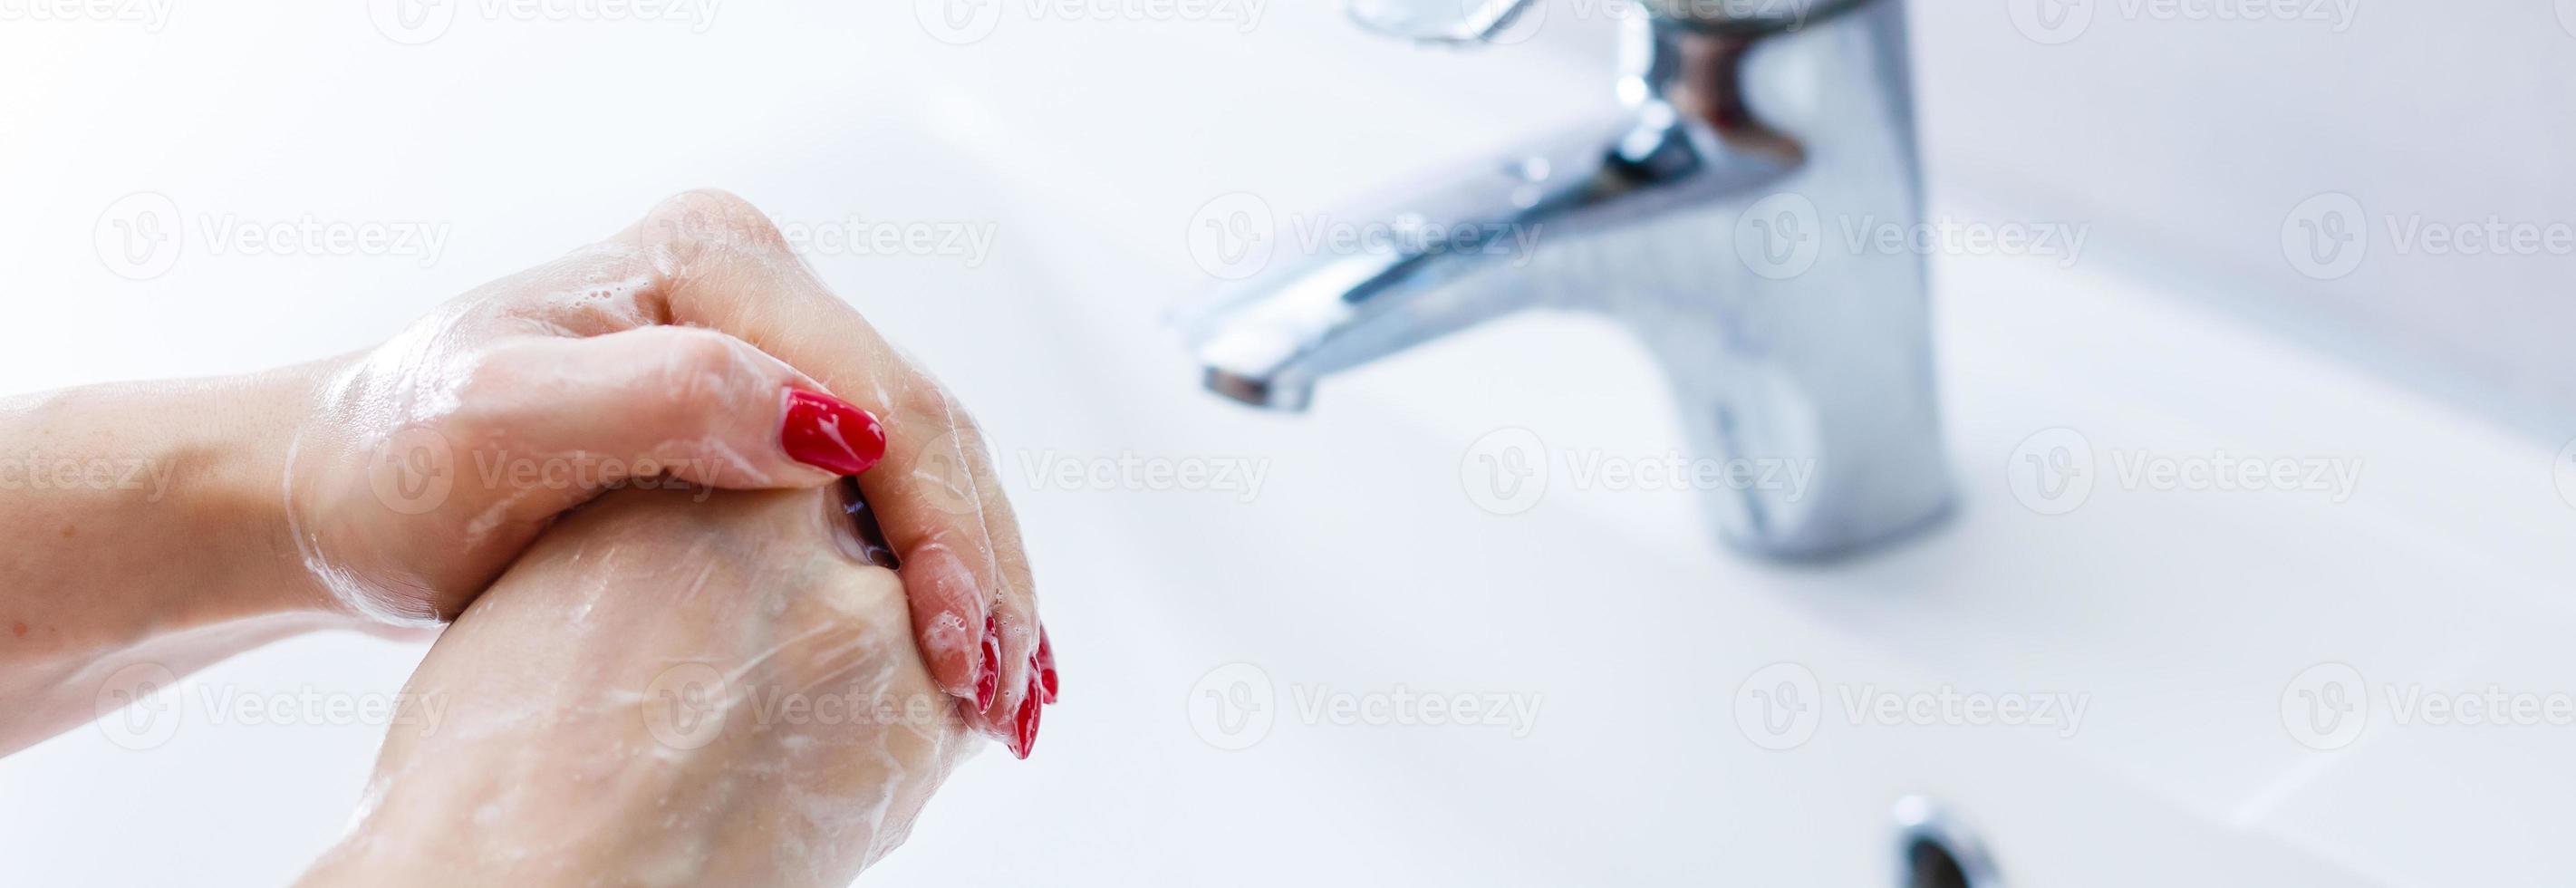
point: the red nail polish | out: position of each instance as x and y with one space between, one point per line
831 434
1024 728
1046 666
988 671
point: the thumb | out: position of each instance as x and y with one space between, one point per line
692 404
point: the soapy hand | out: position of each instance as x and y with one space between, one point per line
665 691
693 346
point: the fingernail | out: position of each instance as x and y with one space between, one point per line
831 434
1024 728
1046 666
988 669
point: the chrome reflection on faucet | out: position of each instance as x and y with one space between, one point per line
1702 214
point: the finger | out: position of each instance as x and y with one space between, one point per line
721 265
556 420
956 481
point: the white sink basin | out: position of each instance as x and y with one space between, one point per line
1615 634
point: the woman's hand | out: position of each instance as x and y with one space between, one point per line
693 346
665 690
423 466
671 349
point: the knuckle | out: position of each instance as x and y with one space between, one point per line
715 218
924 397
698 365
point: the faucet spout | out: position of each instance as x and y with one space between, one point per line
1457 254
1699 214
1423 266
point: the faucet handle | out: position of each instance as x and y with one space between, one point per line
1436 21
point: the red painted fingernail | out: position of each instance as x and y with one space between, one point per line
1024 728
988 671
831 434
1046 666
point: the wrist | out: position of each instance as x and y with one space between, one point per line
216 452
150 513
246 496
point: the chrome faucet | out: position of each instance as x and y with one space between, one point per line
1732 211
